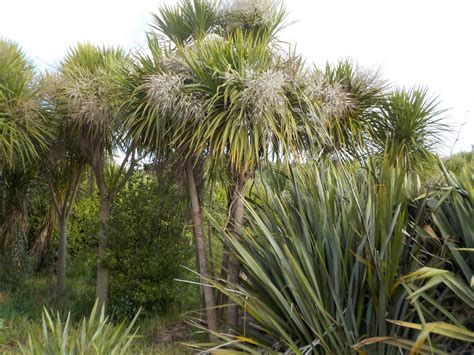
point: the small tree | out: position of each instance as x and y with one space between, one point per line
94 96
24 134
248 88
149 246
23 128
165 109
62 168
410 128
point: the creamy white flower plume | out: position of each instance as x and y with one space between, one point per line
213 37
333 99
91 99
248 12
337 100
167 95
264 93
175 65
164 91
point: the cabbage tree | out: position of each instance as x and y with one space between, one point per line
24 134
165 109
242 74
95 99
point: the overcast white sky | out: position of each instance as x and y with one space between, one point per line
428 42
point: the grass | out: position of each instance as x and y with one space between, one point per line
340 264
21 309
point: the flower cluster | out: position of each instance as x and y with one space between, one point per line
264 93
166 92
85 101
238 13
333 98
175 65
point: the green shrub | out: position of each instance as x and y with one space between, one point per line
15 265
461 162
148 246
84 225
2 337
94 335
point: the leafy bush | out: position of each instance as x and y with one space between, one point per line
84 225
148 246
458 163
15 265
94 335
2 337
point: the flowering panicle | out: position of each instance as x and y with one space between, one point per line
92 98
85 105
248 12
263 93
334 100
166 92
176 65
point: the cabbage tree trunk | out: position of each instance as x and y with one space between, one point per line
107 195
202 262
62 255
102 286
63 202
41 243
236 214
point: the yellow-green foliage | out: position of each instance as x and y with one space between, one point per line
461 164
93 335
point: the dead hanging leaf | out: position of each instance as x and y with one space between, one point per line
427 228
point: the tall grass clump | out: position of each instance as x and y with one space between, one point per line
341 262
453 213
95 334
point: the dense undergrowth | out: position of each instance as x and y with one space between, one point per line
146 262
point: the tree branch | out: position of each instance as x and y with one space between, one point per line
72 197
98 169
133 163
53 195
130 150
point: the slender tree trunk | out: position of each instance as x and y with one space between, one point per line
41 243
3 200
106 198
198 182
63 210
209 238
209 299
236 224
102 287
102 282
210 251
62 253
198 269
221 297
